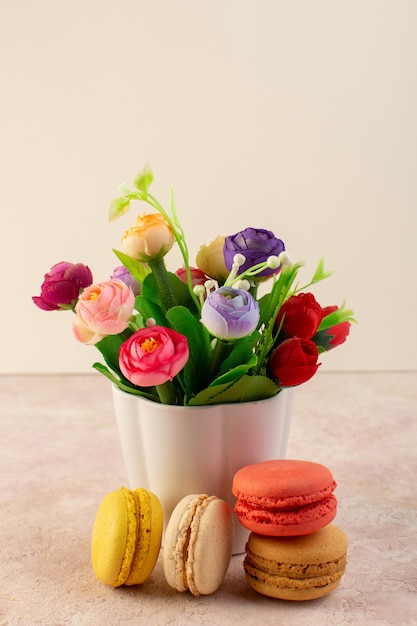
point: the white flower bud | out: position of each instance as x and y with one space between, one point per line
284 258
198 290
239 259
150 322
242 284
210 284
273 262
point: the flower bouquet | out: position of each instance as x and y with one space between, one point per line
204 334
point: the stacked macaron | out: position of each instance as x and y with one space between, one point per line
294 552
127 534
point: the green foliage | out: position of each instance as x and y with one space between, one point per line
119 206
245 389
144 180
195 372
336 317
138 269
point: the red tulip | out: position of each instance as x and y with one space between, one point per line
301 316
294 361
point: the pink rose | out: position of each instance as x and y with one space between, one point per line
152 356
103 309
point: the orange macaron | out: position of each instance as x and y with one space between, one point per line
284 497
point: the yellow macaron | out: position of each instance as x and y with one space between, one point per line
126 537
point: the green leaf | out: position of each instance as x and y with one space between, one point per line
109 347
124 386
336 317
270 303
138 269
119 206
246 389
320 273
237 372
242 352
195 371
180 290
144 180
150 309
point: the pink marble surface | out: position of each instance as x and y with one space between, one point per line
60 455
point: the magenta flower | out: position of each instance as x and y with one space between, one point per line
230 313
256 245
62 286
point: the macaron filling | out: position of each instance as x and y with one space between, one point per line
286 517
185 541
285 501
131 536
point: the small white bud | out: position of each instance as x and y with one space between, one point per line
198 290
273 262
284 258
210 284
242 284
239 259
150 322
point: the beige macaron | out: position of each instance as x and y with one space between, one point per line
198 544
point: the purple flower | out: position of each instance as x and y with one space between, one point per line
62 286
256 245
230 313
123 274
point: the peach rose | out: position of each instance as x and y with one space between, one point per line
149 239
103 309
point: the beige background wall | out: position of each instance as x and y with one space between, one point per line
297 116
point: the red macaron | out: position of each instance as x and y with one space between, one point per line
284 497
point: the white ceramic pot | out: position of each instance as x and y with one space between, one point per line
174 451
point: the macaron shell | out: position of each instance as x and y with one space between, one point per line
210 547
149 536
113 538
283 483
296 568
126 537
284 497
198 544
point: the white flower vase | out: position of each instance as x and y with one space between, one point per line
174 451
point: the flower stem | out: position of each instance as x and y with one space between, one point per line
179 236
166 393
220 352
162 280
